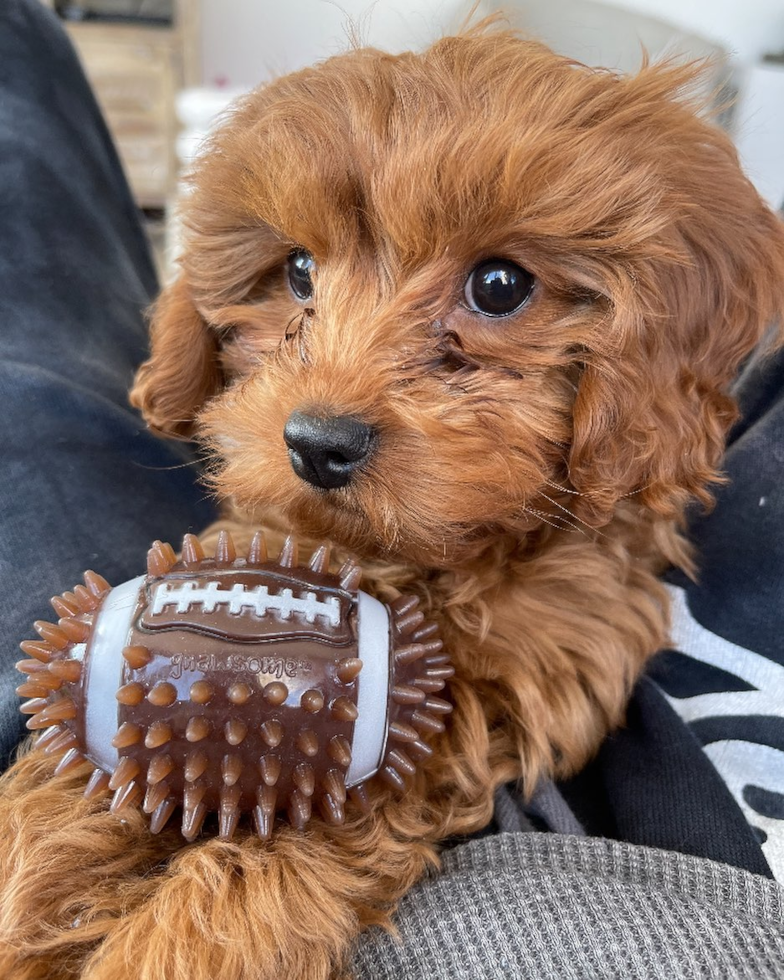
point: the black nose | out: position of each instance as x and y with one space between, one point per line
328 451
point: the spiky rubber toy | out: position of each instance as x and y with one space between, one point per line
236 685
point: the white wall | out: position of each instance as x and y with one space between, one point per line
748 28
248 41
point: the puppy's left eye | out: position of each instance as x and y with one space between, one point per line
497 287
300 269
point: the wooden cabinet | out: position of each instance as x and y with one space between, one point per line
136 72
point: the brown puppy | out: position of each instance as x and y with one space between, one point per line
472 315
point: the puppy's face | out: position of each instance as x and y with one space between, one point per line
431 300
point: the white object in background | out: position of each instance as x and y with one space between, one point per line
759 125
198 111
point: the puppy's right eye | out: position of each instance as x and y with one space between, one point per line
497 288
300 270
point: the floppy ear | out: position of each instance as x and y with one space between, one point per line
183 370
654 406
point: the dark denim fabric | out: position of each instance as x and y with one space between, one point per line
82 483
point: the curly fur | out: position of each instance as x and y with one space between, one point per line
531 474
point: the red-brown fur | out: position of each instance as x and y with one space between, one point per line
531 473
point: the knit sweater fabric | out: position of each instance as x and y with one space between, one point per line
557 907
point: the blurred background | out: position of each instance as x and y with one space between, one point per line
164 70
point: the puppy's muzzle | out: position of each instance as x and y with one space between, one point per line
327 452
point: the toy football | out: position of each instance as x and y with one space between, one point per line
235 685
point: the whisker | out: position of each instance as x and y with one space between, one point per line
543 517
567 511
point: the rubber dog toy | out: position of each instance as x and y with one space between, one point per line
235 685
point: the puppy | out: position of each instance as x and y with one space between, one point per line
472 315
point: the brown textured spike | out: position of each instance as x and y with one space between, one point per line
289 553
433 647
335 784
160 767
360 799
158 561
409 654
155 795
400 732
348 670
319 560
401 762
66 670
64 607
307 743
33 706
404 604
437 705
97 784
257 553
159 733
239 693
196 764
410 622
72 759
419 750
231 769
235 731
161 815
197 729
130 694
304 778
62 710
51 634
136 656
332 811
87 601
75 630
40 651
272 732
269 767
125 796
169 552
46 738
312 701
127 770
299 809
30 689
201 692
426 722
339 749
64 741
350 576
392 777
275 693
429 685
404 694
264 813
225 552
31 667
344 709
424 632
50 681
229 812
162 695
443 672
96 583
193 811
127 734
192 551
